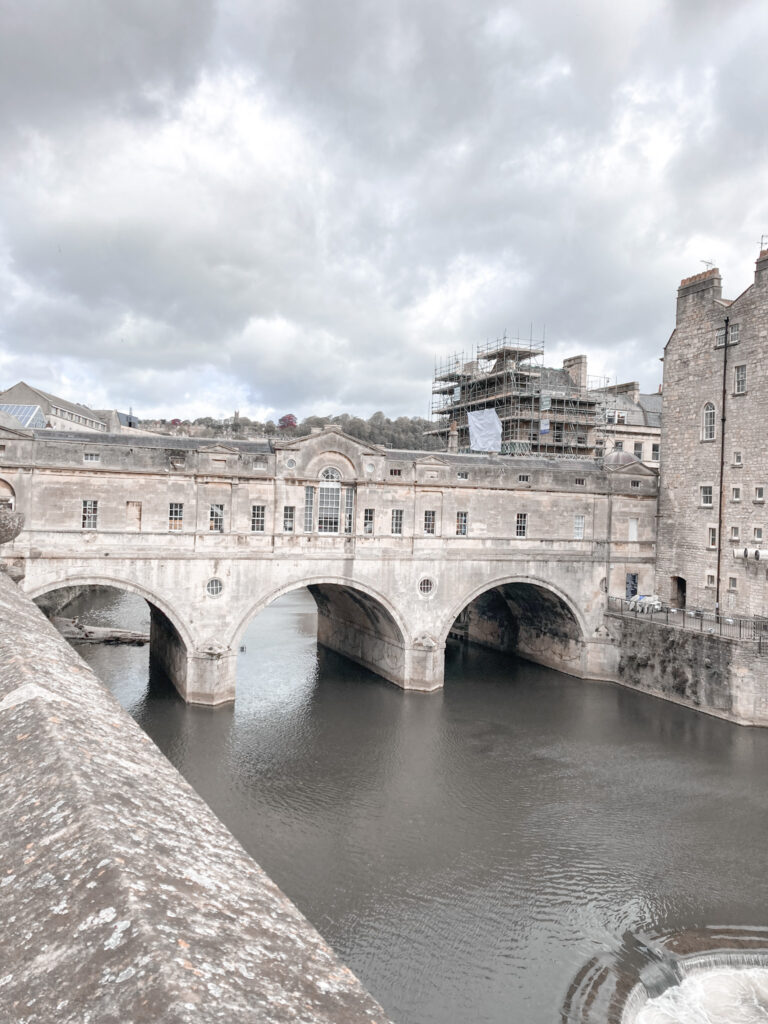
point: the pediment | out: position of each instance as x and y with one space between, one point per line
634 469
14 433
329 439
219 449
431 460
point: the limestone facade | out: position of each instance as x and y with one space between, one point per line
393 545
714 466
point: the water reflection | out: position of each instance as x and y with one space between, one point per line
466 852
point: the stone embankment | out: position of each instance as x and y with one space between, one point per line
122 897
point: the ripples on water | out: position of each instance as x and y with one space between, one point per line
465 852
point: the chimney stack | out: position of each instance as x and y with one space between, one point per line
576 368
453 436
704 287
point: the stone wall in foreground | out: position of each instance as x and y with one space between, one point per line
122 897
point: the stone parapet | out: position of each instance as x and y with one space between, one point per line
122 896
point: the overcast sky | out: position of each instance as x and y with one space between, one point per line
296 205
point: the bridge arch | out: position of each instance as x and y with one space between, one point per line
117 583
525 614
354 619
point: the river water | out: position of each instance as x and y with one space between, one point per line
465 852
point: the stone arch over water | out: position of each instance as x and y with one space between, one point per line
524 615
353 619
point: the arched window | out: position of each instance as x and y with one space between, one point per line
708 422
329 504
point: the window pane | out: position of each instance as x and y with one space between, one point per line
175 515
397 520
216 518
309 509
461 524
258 517
329 509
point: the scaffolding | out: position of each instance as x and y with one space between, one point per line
543 411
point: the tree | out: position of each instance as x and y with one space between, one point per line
287 422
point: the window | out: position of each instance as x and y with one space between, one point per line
759 494
634 483
175 515
309 509
90 515
521 524
732 583
735 494
632 529
621 417
740 379
705 493
618 446
395 472
523 478
289 518
737 459
426 586
329 504
463 475
638 450
733 333
91 457
258 518
655 448
710 579
712 537
578 527
757 533
719 337
349 509
734 533
580 481
397 520
214 587
708 422
216 518
461 524
429 521
368 518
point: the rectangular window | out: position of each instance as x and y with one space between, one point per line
758 533
91 457
397 520
368 520
733 333
638 450
734 533
216 518
521 524
309 509
737 458
759 494
461 524
523 478
580 481
462 475
735 494
289 518
329 508
732 583
578 527
655 452
740 380
258 518
175 515
705 494
349 509
634 483
395 472
429 521
719 337
618 446
621 417
710 579
632 534
712 536
90 515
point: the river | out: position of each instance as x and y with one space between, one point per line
465 852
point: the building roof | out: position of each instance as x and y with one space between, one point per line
60 403
154 441
25 415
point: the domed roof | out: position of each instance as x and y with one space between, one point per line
616 460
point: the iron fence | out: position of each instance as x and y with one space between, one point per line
748 630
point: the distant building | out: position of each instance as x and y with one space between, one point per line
713 525
632 421
34 408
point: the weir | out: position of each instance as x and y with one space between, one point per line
123 897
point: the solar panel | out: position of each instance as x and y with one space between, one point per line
27 415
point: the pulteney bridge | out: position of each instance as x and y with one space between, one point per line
394 546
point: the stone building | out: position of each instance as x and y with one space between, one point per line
45 410
713 526
632 421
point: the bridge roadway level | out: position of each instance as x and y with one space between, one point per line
393 546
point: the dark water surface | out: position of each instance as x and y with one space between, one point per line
465 852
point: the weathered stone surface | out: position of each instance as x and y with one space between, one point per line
122 897
11 525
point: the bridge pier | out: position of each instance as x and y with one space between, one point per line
205 675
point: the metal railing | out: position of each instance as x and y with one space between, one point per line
749 630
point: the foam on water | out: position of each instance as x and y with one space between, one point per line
727 995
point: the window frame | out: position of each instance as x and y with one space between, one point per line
215 517
396 524
89 514
462 523
175 516
709 422
430 522
258 518
521 524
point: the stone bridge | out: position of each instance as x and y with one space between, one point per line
394 546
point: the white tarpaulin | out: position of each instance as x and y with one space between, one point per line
484 431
